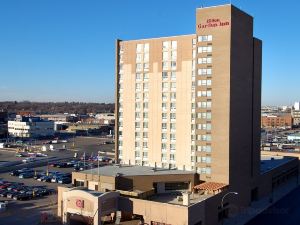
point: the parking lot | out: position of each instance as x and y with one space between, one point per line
31 211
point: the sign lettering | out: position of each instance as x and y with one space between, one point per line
210 23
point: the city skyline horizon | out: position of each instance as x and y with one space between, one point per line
74 50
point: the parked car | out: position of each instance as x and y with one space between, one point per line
29 160
3 206
22 197
18 172
26 175
64 180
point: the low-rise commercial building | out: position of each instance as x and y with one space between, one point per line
280 120
162 196
30 127
60 118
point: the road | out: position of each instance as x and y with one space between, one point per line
285 211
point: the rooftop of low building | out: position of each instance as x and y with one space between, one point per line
134 170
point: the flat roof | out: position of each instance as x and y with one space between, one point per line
164 37
133 170
270 162
176 198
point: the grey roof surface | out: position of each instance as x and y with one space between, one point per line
270 162
126 170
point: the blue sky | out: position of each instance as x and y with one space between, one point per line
63 50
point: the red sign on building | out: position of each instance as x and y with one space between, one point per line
80 203
209 23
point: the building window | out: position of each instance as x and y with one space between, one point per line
165 56
165 75
204 38
165 65
204 93
173 137
146 47
145 124
173 106
139 57
145 134
204 104
204 49
205 71
145 144
173 65
138 76
173 84
164 126
166 45
137 124
139 47
204 60
173 75
174 55
165 85
204 82
137 154
164 115
172 157
174 44
146 57
146 66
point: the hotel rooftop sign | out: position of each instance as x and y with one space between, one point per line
211 23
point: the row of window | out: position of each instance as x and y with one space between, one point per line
166 56
205 71
204 104
142 66
204 126
172 106
164 136
204 38
203 93
164 157
142 47
172 65
166 45
203 159
164 126
142 57
203 137
164 147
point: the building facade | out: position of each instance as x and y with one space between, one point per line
296 117
30 127
181 101
3 124
282 120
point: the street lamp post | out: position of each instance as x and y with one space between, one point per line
222 202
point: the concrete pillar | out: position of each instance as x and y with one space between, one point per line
186 198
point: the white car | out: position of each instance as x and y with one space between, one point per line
3 206
28 160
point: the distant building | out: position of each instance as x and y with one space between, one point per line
296 117
28 127
3 124
60 118
280 120
297 106
294 137
102 119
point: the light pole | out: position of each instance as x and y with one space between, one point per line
222 203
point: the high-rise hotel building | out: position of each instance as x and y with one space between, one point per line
192 102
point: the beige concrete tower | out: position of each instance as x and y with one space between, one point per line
193 102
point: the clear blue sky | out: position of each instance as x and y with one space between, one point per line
63 50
